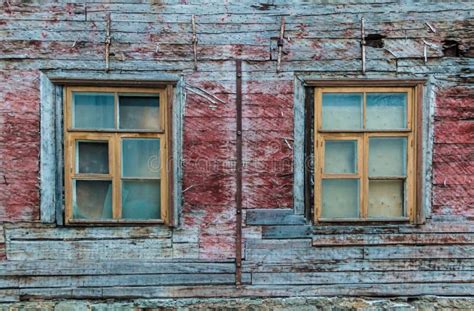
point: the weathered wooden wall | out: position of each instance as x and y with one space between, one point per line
283 254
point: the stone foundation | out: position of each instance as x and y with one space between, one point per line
273 304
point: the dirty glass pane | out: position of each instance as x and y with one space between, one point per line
93 111
141 157
387 156
342 111
141 199
385 198
340 157
92 157
92 199
386 110
340 198
139 112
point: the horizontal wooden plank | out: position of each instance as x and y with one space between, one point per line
463 226
273 217
408 252
321 230
116 267
387 265
393 239
250 69
101 249
352 229
287 232
14 232
371 290
321 278
305 13
9 295
277 254
103 281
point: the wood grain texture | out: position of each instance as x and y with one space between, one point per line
284 253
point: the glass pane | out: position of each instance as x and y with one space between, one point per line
340 198
386 110
340 156
387 156
342 111
141 157
92 199
385 198
139 112
141 199
92 157
93 111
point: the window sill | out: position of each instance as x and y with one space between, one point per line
114 222
362 222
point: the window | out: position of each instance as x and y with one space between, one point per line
365 153
116 155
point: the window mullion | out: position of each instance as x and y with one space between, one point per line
364 189
116 111
117 184
364 111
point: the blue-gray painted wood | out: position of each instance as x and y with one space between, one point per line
364 277
59 143
383 265
113 280
429 99
273 217
99 76
52 195
47 151
153 292
286 232
117 267
177 136
298 146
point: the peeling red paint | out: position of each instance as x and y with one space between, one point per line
19 145
453 154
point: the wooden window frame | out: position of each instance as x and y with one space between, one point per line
413 208
114 138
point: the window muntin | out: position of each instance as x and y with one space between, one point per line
115 155
364 153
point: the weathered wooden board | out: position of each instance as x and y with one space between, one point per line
276 254
374 290
146 249
325 278
393 239
115 267
112 280
18 232
287 232
285 255
385 265
274 217
400 252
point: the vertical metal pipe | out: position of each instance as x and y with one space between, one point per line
362 43
238 175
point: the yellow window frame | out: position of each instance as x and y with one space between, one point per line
362 136
114 138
